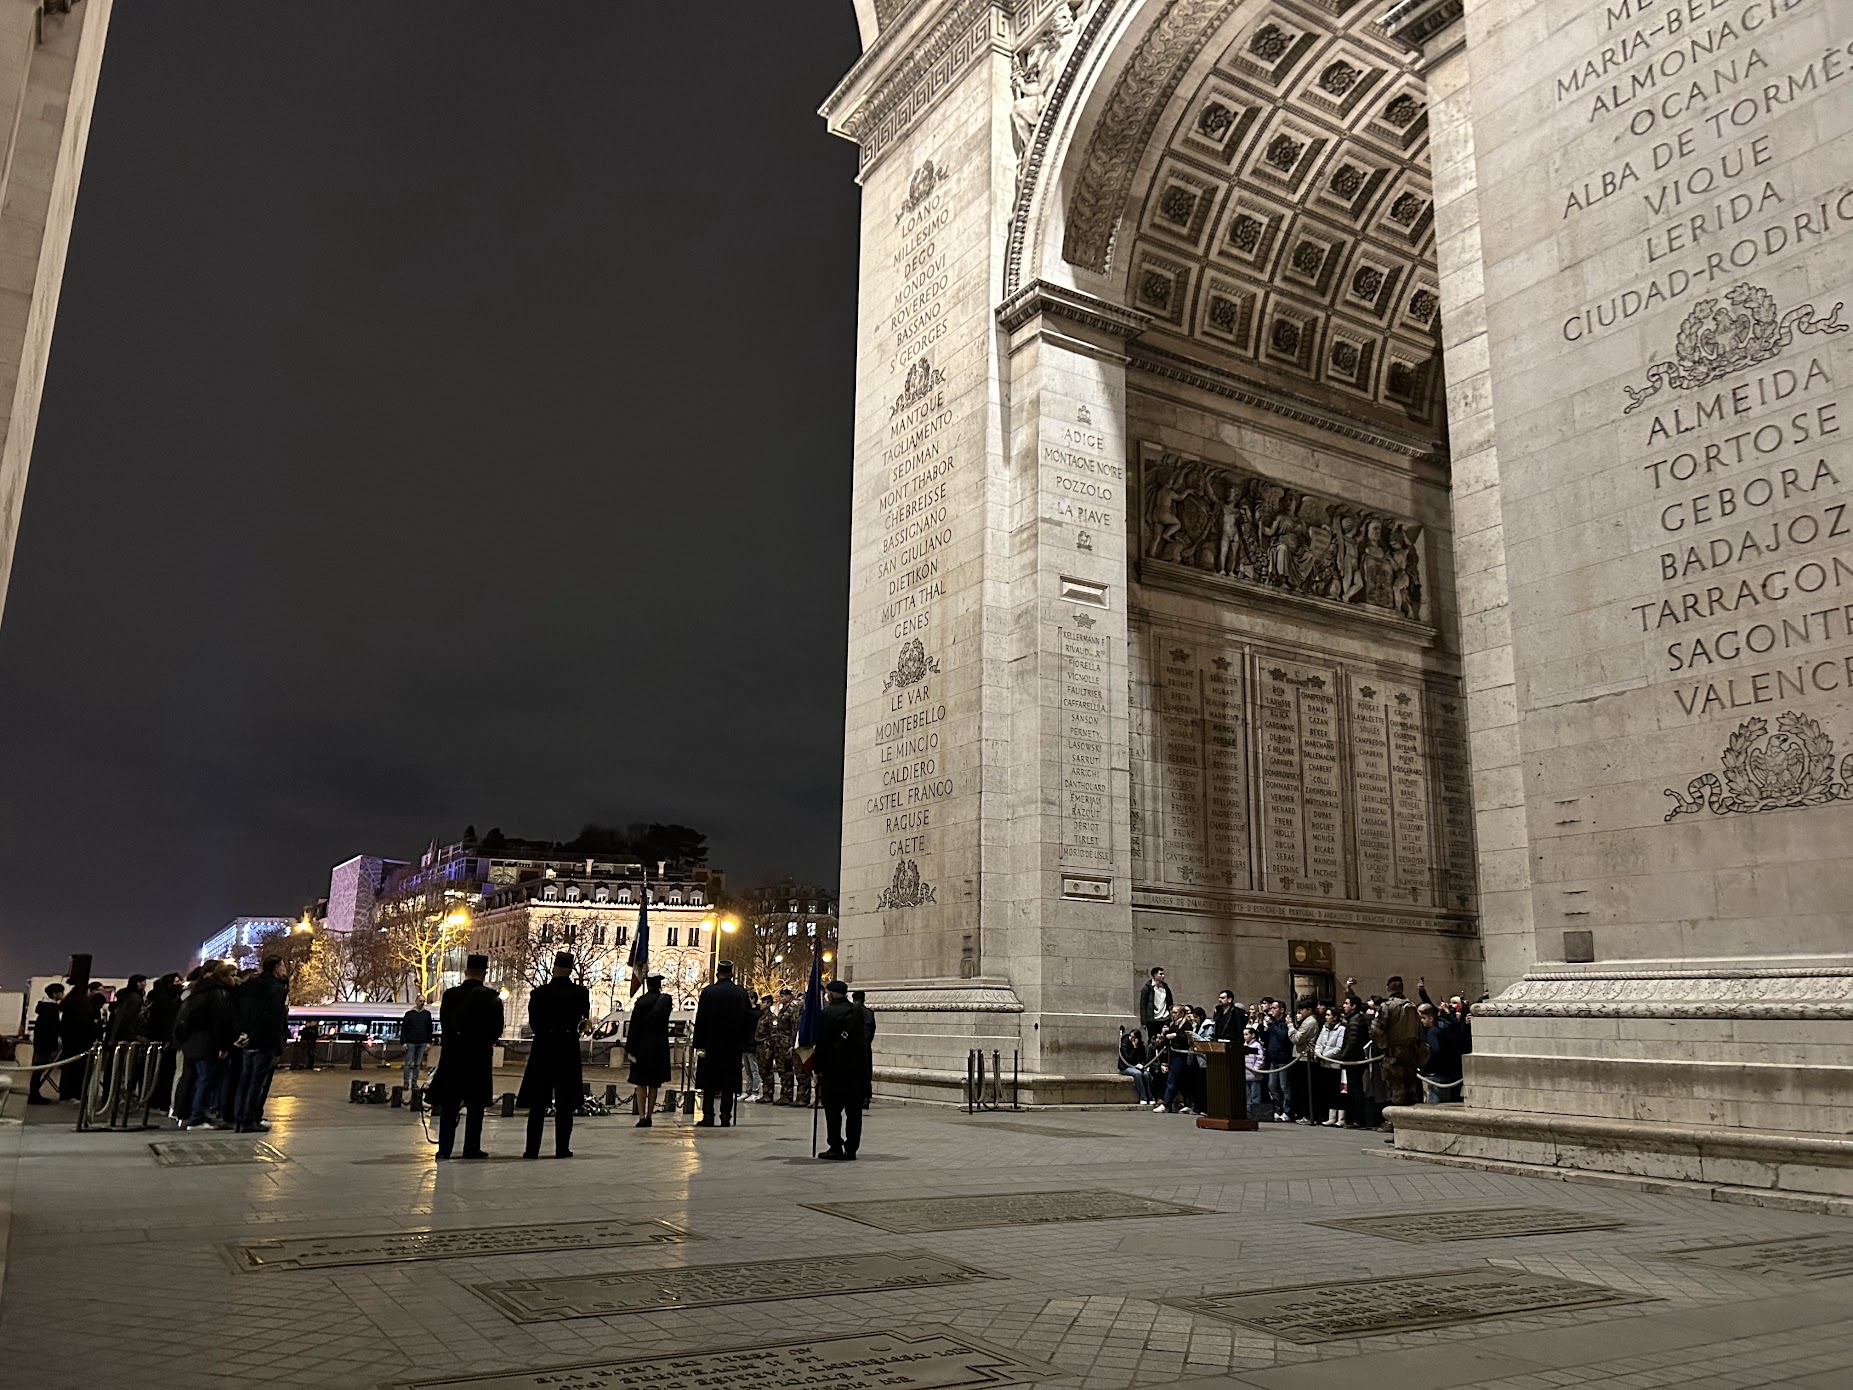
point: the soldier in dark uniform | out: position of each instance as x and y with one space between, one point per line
784 1047
763 1026
646 1043
558 1012
470 1021
723 1032
845 1071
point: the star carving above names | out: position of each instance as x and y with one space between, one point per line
1221 663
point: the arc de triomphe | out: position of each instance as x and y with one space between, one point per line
1347 493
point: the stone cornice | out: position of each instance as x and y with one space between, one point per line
909 67
1621 991
1413 23
1147 357
1058 301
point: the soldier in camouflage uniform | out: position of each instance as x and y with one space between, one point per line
784 1040
797 1063
762 1050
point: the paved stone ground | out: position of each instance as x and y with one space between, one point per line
110 1248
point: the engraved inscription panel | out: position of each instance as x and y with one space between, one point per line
1086 841
922 1215
918 1358
1315 1313
1432 1227
1358 775
704 1286
393 1247
1826 1256
196 1153
1302 805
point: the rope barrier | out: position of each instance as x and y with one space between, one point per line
1439 1084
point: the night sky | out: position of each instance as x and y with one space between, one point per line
448 421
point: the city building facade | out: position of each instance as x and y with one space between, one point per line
237 940
593 913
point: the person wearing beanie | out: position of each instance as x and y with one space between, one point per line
558 1012
470 1025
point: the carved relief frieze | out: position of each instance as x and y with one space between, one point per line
963 35
1243 527
1620 992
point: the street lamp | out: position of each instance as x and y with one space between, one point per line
715 926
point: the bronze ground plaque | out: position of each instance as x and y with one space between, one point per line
194 1153
1431 1227
915 1358
909 1216
425 1243
1313 1313
706 1286
1825 1256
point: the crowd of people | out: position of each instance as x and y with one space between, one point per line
1311 1062
216 1034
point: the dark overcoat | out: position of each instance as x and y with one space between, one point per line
844 1063
471 1020
723 1033
555 1011
647 1042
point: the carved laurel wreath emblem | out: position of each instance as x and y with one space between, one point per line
906 889
911 667
923 378
1723 336
1770 771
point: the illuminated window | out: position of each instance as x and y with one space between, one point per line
669 937
551 893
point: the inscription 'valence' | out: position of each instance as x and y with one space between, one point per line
1719 337
1239 525
1790 767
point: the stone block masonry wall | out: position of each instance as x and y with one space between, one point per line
1664 232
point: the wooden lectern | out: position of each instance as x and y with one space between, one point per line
1225 1090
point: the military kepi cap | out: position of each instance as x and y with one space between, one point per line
838 987
564 961
476 963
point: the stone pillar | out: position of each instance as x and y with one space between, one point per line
49 65
985 899
1645 253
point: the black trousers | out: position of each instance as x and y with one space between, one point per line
844 1124
472 1128
565 1105
718 1106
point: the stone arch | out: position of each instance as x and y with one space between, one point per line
1254 175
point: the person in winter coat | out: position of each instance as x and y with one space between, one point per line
470 1016
207 1029
1304 1036
1442 1035
1132 1065
1328 1053
558 1012
1276 1059
47 1023
264 1021
415 1031
125 1015
844 1067
647 1045
157 1026
723 1035
1356 1070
